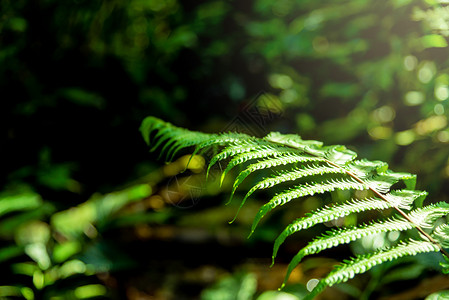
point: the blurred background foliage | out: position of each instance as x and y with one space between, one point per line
86 212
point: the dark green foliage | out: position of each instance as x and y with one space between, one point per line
311 168
77 78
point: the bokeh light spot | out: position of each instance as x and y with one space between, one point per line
410 62
380 132
413 98
280 81
393 236
426 72
289 96
384 114
313 21
439 109
431 124
443 136
442 92
311 284
405 138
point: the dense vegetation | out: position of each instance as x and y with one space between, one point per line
86 211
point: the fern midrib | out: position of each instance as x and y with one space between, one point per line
400 211
378 194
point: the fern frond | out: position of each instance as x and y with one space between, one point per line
227 138
327 214
420 217
405 198
316 169
337 153
308 189
150 124
425 217
293 141
338 237
222 139
231 151
163 135
383 182
289 175
441 233
181 138
185 140
282 159
402 199
294 174
263 151
364 167
363 263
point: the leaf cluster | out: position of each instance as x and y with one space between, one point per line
309 168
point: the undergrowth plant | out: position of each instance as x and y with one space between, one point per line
310 168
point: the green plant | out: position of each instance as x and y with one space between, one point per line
53 254
310 168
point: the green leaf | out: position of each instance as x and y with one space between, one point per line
21 201
440 295
433 41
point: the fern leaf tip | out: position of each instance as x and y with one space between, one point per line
222 179
230 197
